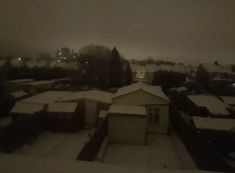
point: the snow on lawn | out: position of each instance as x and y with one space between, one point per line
71 147
162 151
50 144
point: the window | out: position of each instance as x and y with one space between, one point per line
154 115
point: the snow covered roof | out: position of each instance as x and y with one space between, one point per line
47 97
127 109
20 81
214 123
27 108
229 100
97 95
18 94
220 68
62 107
154 90
213 104
42 82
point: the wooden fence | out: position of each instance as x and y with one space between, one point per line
92 146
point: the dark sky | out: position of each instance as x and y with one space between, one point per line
180 30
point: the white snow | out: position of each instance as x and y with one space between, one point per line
97 95
220 68
154 90
229 100
214 123
62 107
47 97
11 163
56 145
18 94
20 81
161 152
27 108
213 104
127 109
42 82
102 114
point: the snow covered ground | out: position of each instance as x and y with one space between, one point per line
55 145
162 151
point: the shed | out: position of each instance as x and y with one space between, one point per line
152 98
127 124
63 117
93 101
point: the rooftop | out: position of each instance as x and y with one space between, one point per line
126 109
27 108
20 81
151 89
97 95
211 103
18 94
214 123
47 97
42 82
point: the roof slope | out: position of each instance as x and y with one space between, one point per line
47 97
97 95
154 90
213 104
27 108
228 100
127 109
214 123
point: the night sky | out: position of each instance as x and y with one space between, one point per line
188 31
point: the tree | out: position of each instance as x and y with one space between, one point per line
202 76
94 63
168 79
128 75
116 72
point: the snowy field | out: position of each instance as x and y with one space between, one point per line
161 152
55 145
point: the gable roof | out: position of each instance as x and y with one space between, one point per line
214 123
151 89
27 108
127 110
97 95
211 103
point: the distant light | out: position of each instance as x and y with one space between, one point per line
64 57
19 59
233 85
86 62
58 60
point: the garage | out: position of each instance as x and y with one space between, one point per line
127 124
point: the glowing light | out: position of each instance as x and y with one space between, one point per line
86 62
58 60
19 59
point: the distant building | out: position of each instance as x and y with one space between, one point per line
64 54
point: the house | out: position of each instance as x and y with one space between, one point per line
152 98
229 100
63 117
92 101
138 72
127 124
208 105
